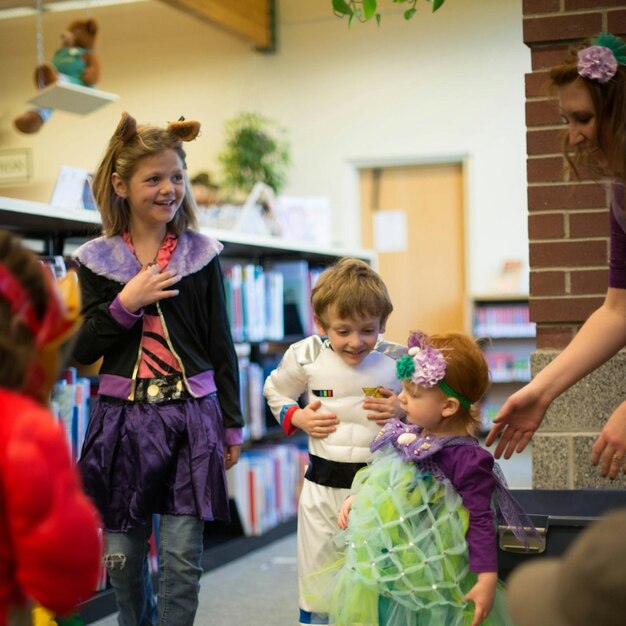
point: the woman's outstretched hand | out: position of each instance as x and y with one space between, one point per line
609 449
516 423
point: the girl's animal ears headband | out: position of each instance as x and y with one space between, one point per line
426 366
600 61
185 130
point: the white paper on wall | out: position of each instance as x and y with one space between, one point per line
390 231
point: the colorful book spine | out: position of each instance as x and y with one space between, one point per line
265 485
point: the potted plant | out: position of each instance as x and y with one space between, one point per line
256 151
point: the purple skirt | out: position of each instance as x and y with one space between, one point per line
144 458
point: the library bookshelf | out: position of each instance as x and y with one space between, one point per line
268 282
500 322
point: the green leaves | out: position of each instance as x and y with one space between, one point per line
255 151
365 10
369 9
341 7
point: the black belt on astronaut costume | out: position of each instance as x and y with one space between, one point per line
331 473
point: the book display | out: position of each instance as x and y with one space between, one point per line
507 336
268 284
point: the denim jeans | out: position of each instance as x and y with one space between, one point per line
180 540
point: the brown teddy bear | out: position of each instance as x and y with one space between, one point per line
74 63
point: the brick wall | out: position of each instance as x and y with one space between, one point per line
568 231
567 219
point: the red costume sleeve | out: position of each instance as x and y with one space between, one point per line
53 528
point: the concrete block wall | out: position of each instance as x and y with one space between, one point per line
569 247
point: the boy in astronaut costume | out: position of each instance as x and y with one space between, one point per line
349 377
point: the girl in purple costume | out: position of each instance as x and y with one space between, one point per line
166 424
419 526
591 87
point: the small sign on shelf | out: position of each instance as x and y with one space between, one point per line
73 190
15 166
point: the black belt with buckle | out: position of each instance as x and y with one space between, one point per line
161 389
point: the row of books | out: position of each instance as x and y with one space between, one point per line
251 380
265 485
488 411
254 299
70 405
508 365
503 320
269 302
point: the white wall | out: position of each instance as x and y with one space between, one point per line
444 85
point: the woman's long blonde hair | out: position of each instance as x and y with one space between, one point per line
609 103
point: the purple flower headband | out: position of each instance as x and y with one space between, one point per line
426 366
600 61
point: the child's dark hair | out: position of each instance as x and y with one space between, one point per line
130 144
354 289
17 344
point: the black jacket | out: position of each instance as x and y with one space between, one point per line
196 320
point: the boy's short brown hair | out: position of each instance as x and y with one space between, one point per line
354 289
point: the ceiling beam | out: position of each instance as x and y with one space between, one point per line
251 20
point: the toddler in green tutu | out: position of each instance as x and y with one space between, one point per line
419 527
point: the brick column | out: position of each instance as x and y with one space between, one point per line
569 247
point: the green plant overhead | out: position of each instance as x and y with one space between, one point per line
256 150
365 10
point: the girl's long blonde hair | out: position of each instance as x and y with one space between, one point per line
130 144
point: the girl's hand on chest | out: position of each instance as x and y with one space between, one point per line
150 285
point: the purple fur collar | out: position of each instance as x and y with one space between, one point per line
111 257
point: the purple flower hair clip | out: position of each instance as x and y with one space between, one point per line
597 63
600 60
426 366
423 364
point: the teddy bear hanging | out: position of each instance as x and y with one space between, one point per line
75 62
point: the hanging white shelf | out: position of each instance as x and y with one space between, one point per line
72 98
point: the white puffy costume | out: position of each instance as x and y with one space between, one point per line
311 368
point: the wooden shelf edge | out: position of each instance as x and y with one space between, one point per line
21 213
500 297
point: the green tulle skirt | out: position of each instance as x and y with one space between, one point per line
404 558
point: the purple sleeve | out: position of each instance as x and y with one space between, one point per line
233 436
122 315
470 470
617 263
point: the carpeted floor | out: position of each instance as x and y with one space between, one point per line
259 589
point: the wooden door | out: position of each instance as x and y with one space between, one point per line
426 280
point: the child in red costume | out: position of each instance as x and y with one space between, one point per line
49 539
